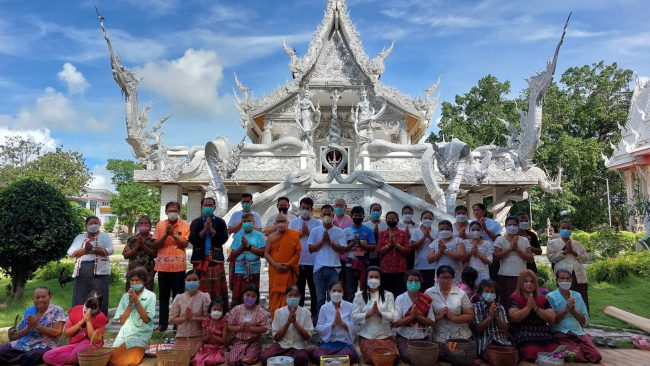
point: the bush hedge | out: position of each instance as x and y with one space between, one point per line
607 242
614 270
52 270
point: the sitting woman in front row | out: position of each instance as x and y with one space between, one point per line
335 327
292 328
529 314
215 337
373 311
247 322
571 315
490 320
135 312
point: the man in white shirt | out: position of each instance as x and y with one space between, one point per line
326 242
304 225
234 224
283 207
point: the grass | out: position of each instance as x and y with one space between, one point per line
629 295
60 296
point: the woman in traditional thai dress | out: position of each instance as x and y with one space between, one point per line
215 337
247 322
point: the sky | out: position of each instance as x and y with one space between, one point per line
56 85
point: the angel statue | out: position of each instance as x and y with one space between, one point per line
363 115
305 112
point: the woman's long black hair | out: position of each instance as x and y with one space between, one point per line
366 292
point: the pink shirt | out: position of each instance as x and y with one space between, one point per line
342 221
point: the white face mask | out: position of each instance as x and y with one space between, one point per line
336 297
92 228
216 315
305 214
326 219
564 285
461 218
427 222
475 234
373 283
173 216
444 234
512 229
408 217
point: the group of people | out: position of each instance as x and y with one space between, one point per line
387 281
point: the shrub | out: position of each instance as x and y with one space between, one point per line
110 224
615 270
117 274
544 272
52 270
606 242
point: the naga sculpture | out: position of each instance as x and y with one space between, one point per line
222 162
377 64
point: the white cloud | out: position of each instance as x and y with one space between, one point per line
189 84
74 79
38 135
101 178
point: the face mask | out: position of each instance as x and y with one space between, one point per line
305 213
247 226
207 211
461 218
283 210
391 224
489 297
375 215
281 227
250 301
137 287
246 206
564 285
93 228
216 314
373 283
191 285
512 229
338 211
144 229
475 234
413 286
565 233
292 302
445 234
336 297
357 220
326 219
427 222
408 217
524 225
172 216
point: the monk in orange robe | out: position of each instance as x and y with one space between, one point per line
282 251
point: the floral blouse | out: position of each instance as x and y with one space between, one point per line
256 317
140 258
34 339
393 261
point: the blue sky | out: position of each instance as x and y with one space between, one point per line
56 85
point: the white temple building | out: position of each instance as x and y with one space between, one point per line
335 130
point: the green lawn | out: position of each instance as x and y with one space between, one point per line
61 296
630 295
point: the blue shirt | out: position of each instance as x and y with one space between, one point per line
365 236
569 323
256 240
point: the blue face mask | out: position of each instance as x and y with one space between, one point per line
512 229
246 206
247 226
293 301
413 286
191 285
137 287
489 297
207 211
338 211
565 233
375 215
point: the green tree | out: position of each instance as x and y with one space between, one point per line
132 199
35 219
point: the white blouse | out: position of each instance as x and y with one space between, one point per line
375 327
102 263
402 305
456 301
486 248
326 319
513 263
292 338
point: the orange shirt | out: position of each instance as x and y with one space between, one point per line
170 257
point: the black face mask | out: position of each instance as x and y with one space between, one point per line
357 220
283 210
391 224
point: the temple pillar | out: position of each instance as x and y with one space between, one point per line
628 178
267 135
168 193
470 200
403 135
194 204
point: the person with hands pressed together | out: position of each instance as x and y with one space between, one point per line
530 313
282 252
460 226
92 250
571 316
491 228
247 322
533 238
208 234
246 250
479 252
86 323
373 311
421 238
292 328
235 222
513 252
326 242
490 321
170 240
567 253
393 248
413 314
215 337
304 225
377 225
37 333
336 327
136 311
189 309
447 250
141 252
361 242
